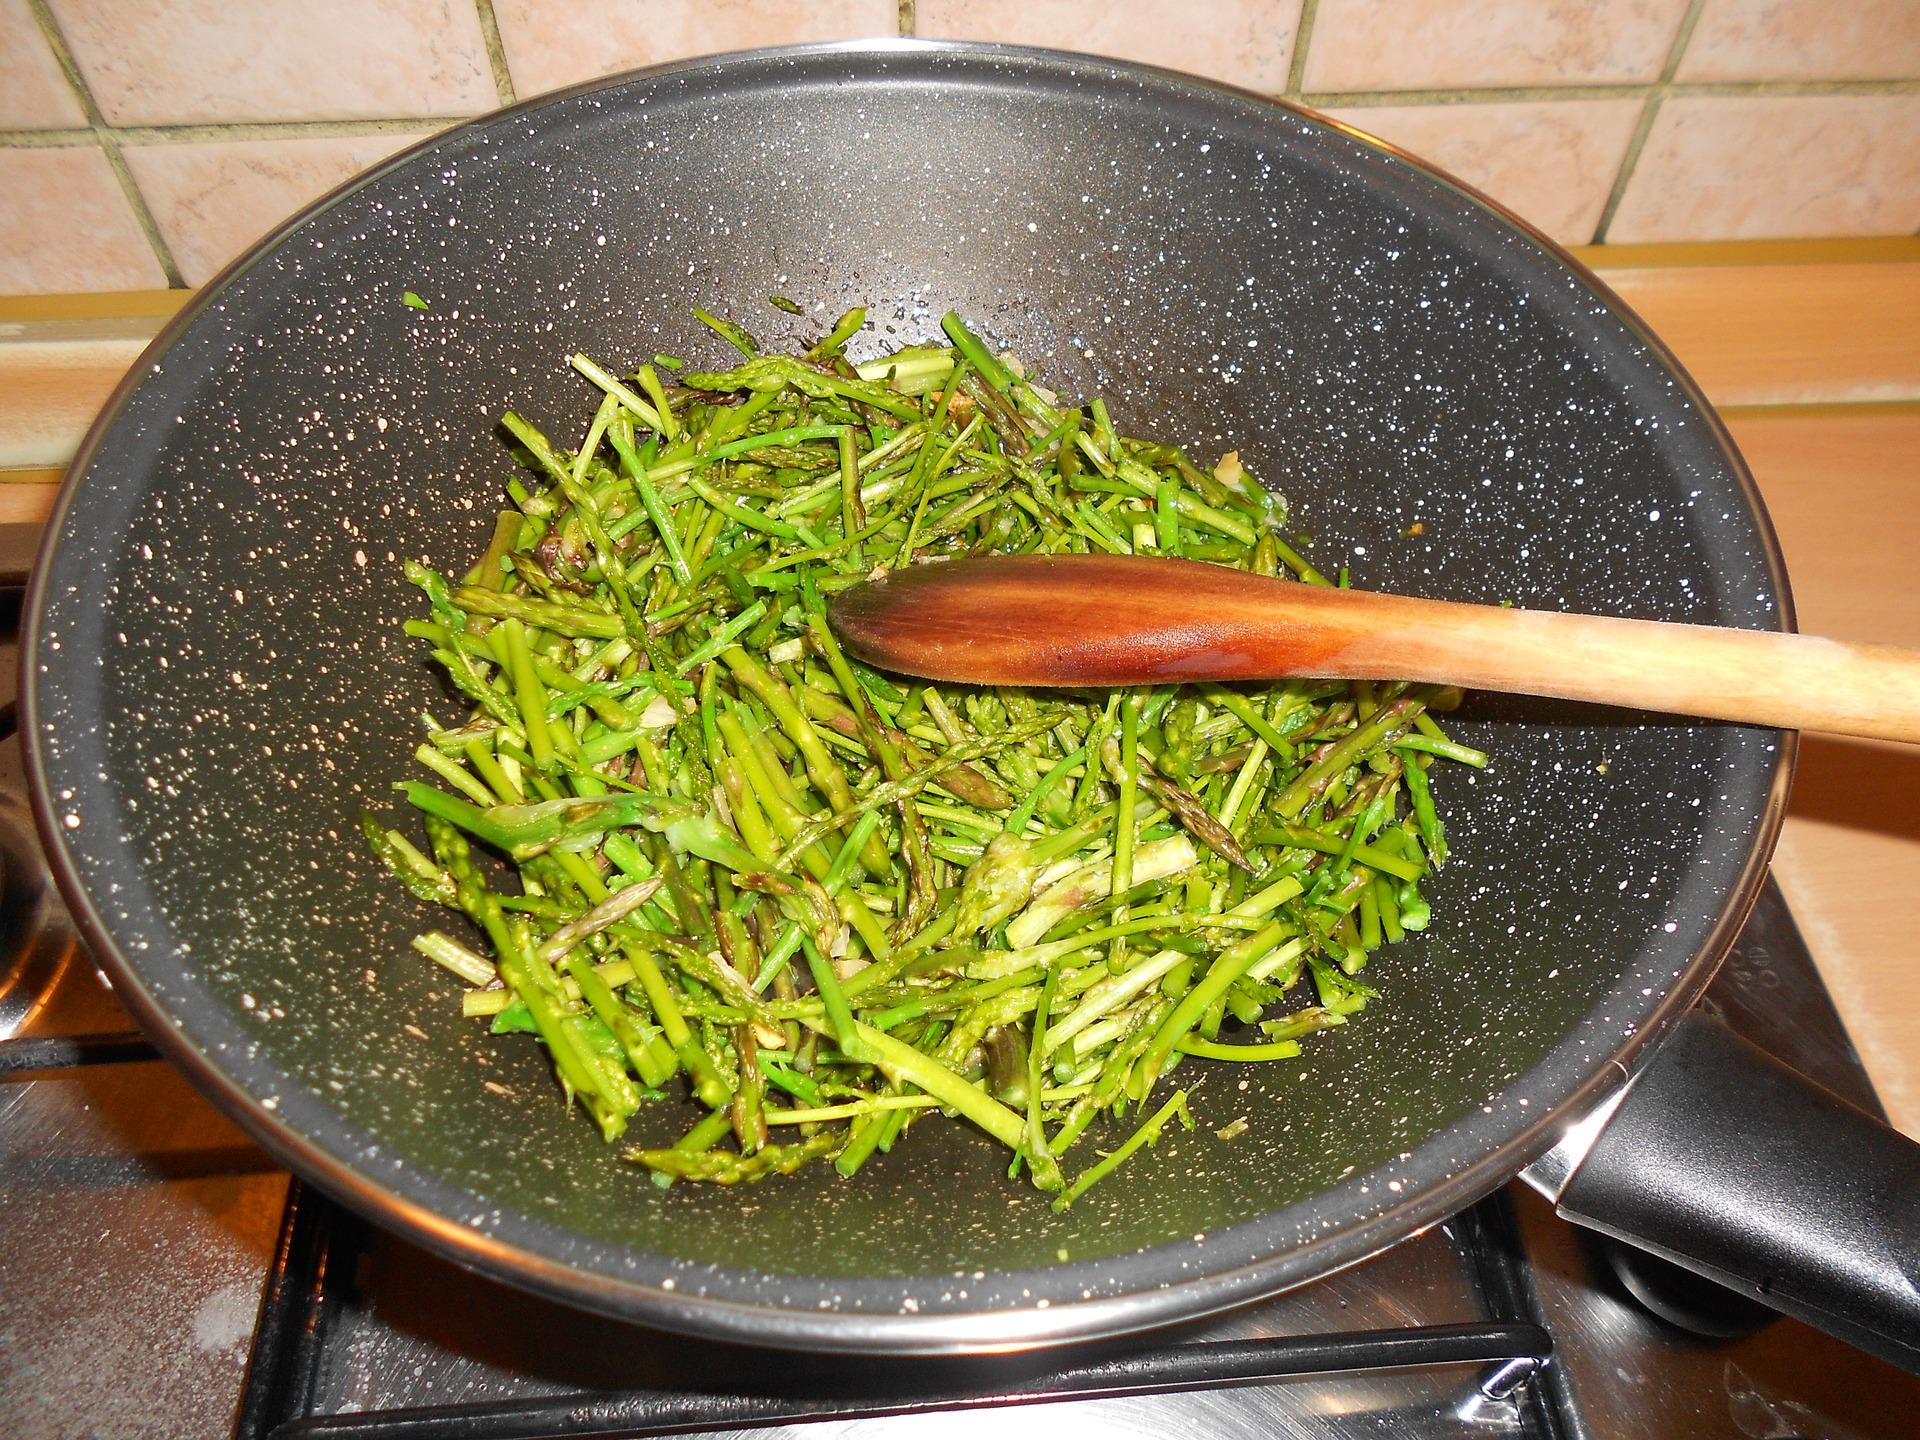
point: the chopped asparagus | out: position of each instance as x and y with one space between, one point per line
737 859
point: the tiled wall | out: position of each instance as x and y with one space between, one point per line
144 142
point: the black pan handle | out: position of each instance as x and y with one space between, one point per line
1726 1162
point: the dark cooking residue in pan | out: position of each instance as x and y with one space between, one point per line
818 901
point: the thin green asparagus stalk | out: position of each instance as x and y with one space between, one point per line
698 788
1147 1134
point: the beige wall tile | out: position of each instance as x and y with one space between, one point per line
213 200
1804 40
67 226
1243 42
34 95
1441 44
1753 168
1551 161
550 43
170 62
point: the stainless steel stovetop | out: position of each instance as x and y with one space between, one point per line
160 1276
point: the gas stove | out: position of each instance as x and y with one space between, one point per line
161 1276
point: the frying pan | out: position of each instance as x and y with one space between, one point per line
215 685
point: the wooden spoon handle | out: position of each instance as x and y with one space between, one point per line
1797 682
1120 620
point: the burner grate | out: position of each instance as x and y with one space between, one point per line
61 1052
320 1248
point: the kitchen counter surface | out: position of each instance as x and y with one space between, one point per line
1811 351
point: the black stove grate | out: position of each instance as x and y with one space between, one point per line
62 1052
321 1244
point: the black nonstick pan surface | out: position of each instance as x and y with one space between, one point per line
217 685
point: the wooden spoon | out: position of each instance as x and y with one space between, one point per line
1077 620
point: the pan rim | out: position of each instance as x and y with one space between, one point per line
654 1300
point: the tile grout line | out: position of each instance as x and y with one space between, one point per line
1297 62
1725 89
66 138
1630 162
145 135
1716 89
1472 94
496 51
69 136
108 142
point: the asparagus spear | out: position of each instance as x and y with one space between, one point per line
729 858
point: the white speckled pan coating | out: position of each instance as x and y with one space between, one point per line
216 683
